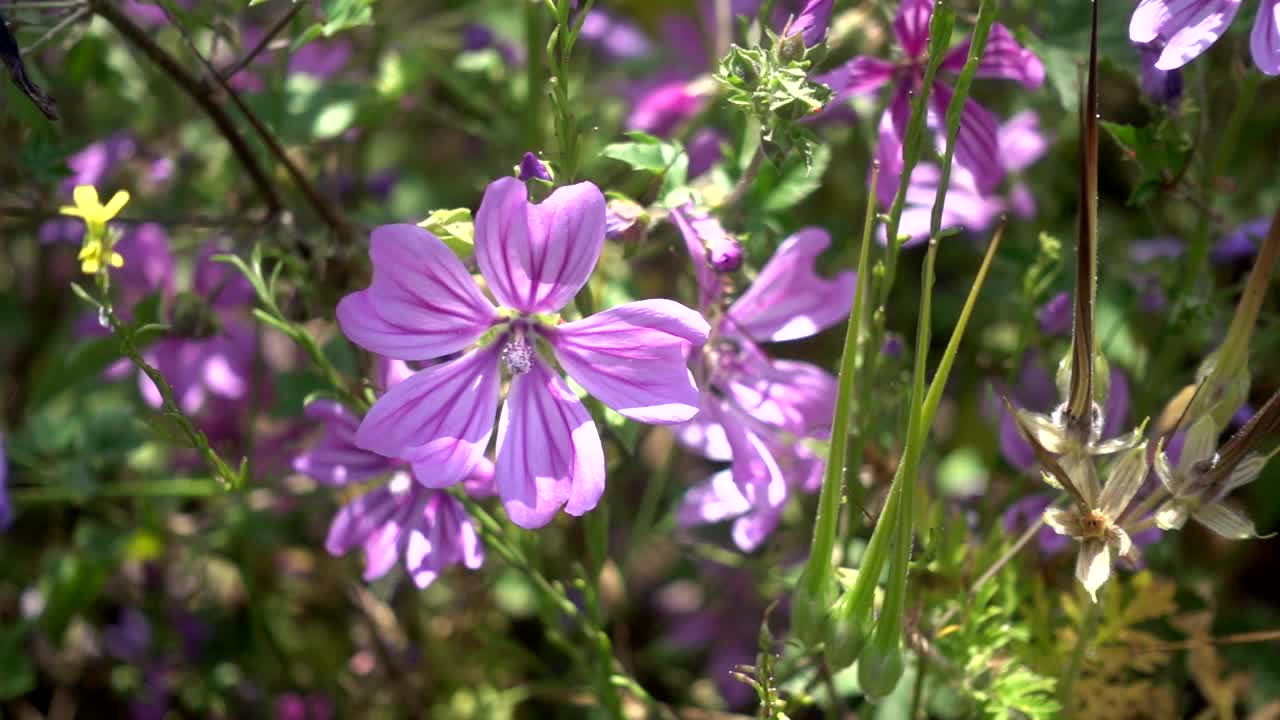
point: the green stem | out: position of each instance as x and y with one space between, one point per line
824 531
1088 626
536 75
175 488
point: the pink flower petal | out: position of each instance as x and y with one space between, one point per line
335 459
789 299
714 500
977 143
860 76
633 358
693 227
440 419
537 257
1189 27
1002 58
1264 41
911 25
549 451
422 304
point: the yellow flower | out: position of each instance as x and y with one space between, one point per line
97 243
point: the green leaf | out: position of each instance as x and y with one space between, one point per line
645 153
785 187
455 227
1160 151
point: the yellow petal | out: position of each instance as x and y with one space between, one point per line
89 250
117 260
89 266
117 203
86 197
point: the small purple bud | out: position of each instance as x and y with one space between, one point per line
1055 316
531 168
1161 86
724 252
893 346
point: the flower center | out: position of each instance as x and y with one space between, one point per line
517 353
1094 525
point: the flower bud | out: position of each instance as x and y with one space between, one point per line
532 168
851 624
880 667
811 608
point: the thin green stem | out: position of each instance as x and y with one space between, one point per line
1088 626
175 488
824 532
536 74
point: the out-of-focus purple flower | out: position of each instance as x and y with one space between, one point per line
199 370
1025 513
1055 317
893 346
977 145
1161 86
812 21
1158 248
1240 244
423 304
1021 144
705 149
1190 27
482 37
1152 298
295 706
321 59
756 411
148 267
96 161
150 14
129 639
532 168
660 110
615 37
6 510
714 624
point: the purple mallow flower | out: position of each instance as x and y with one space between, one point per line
423 305
614 36
757 413
1187 28
403 517
1021 144
977 145
812 21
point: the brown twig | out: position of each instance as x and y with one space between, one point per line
231 70
331 216
192 87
